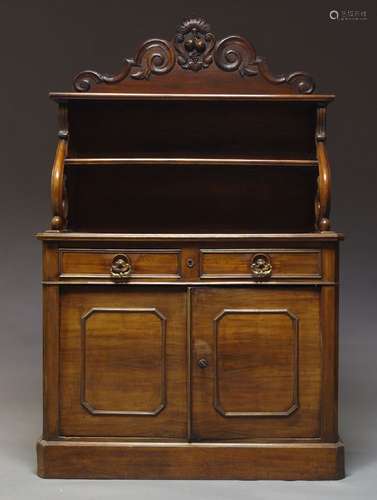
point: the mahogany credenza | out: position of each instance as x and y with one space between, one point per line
190 276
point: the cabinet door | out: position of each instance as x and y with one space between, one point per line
256 363
123 362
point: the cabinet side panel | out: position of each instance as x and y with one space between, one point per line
51 311
329 327
50 361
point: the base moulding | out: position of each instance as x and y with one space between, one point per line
161 460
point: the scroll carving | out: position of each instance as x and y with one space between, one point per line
236 54
58 192
323 198
194 48
154 57
300 81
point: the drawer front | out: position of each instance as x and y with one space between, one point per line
260 263
119 263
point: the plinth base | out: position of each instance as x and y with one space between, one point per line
140 460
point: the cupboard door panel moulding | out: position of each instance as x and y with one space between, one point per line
190 302
281 392
114 353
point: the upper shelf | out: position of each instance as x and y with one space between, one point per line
216 162
195 65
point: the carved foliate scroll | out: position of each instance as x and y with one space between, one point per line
154 57
194 48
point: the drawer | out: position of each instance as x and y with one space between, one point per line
260 263
119 263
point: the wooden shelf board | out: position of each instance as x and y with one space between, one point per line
191 161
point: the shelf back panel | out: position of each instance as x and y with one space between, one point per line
165 199
192 129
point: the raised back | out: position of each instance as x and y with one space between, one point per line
195 61
148 114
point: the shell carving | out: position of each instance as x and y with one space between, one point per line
194 44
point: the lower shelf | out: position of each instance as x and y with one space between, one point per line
119 460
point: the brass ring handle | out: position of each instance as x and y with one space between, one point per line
121 267
261 266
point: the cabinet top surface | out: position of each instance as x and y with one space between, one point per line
77 236
194 64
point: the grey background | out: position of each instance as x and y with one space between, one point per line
43 44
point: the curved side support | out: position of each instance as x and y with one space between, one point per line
323 200
58 201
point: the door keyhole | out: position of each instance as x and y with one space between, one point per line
203 363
